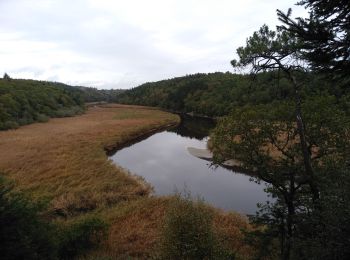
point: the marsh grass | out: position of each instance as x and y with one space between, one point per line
64 162
64 159
132 114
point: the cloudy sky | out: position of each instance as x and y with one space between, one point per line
121 44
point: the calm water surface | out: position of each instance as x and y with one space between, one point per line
163 160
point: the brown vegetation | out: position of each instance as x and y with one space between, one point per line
65 161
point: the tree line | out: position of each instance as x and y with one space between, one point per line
216 94
90 94
24 102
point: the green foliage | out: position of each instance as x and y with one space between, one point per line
26 234
42 118
23 235
216 94
325 233
81 237
269 50
323 36
188 232
213 94
26 101
288 144
6 77
97 95
320 233
9 125
265 140
268 135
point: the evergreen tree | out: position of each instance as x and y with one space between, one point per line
6 77
324 36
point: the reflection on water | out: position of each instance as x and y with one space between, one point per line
194 127
163 160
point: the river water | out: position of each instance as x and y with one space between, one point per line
164 161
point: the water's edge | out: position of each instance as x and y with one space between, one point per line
161 157
138 137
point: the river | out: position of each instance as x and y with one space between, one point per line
164 161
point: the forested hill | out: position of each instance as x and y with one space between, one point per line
96 95
214 94
26 101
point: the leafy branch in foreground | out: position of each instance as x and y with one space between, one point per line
324 36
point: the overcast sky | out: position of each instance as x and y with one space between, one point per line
121 44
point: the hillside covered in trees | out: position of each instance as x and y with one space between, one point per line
96 95
24 101
216 94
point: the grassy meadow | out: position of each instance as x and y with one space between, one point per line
64 163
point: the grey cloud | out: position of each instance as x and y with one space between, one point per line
102 47
37 72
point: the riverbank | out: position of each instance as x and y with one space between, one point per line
65 162
64 159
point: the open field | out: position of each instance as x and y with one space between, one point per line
64 161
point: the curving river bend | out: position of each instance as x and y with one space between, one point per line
164 161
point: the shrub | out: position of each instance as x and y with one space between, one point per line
10 125
82 236
25 121
188 232
23 235
42 118
67 112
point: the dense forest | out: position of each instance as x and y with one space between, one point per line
213 94
96 95
23 101
26 101
216 94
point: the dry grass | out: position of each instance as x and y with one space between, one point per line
65 161
136 229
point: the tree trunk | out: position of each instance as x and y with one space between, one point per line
304 146
289 237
